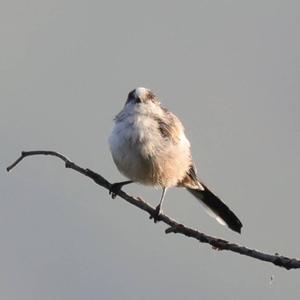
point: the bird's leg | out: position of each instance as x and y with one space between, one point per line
116 187
158 209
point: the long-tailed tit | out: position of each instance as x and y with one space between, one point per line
149 146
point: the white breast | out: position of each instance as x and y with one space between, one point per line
143 155
130 144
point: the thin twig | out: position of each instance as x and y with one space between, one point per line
174 226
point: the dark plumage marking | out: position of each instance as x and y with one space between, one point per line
168 127
150 95
164 128
192 173
132 97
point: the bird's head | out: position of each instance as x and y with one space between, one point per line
141 95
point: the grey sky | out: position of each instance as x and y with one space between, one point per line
229 69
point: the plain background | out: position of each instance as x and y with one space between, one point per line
229 69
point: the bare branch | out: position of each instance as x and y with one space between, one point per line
174 226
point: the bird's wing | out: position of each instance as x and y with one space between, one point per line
170 126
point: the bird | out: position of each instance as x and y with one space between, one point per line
148 145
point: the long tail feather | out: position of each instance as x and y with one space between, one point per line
219 209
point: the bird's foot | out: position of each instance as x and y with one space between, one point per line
156 215
115 189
